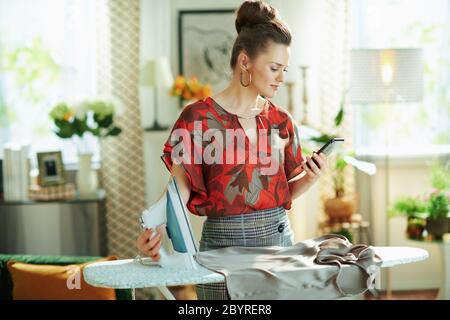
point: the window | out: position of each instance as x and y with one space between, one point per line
47 49
412 128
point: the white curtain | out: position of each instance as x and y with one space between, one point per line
334 63
64 30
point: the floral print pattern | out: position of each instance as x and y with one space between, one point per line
223 187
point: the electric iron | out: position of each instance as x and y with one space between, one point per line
171 212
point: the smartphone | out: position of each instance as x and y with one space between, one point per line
328 148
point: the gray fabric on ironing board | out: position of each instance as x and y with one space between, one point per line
296 272
257 229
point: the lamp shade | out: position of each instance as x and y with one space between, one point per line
156 73
386 75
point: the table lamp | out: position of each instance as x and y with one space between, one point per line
386 76
156 75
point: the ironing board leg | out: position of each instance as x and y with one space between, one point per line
166 293
378 280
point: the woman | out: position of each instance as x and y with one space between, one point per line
243 188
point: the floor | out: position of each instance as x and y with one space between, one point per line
188 293
407 295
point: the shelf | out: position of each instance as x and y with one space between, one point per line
100 196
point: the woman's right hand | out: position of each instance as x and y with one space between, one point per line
149 245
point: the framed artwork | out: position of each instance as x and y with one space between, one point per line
51 168
205 40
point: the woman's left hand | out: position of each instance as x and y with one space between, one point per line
313 171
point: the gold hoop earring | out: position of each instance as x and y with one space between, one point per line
249 79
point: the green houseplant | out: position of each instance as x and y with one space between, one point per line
415 210
94 116
79 121
342 205
437 220
430 211
411 206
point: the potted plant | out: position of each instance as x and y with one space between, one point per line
76 119
437 220
79 121
415 210
342 205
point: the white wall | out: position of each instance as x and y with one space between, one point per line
304 19
407 176
155 40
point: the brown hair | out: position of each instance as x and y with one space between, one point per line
256 24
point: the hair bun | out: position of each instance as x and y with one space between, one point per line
251 13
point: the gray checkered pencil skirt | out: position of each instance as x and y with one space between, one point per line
262 228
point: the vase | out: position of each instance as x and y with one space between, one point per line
437 227
341 209
415 227
86 178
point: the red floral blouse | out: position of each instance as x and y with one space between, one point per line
228 175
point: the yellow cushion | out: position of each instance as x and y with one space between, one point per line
51 282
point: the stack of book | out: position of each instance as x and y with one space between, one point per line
15 167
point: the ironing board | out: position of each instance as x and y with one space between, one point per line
130 274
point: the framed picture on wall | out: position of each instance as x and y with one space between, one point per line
51 168
205 40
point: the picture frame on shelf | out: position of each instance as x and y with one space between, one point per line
205 41
51 168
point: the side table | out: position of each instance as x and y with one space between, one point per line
74 227
444 248
356 226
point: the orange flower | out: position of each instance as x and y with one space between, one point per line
191 88
69 115
193 80
187 96
180 82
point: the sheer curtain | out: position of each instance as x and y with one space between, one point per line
54 43
118 24
334 62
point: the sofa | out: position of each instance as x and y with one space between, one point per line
6 282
